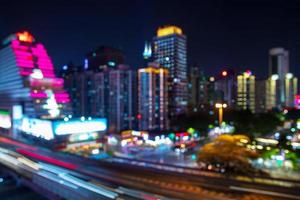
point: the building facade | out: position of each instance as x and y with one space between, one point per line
108 93
246 91
170 51
153 98
27 79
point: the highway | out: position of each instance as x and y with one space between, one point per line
169 181
63 182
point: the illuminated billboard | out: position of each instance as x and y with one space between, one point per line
5 119
79 126
37 127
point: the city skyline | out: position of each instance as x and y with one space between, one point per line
211 43
145 99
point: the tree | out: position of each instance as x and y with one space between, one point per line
229 152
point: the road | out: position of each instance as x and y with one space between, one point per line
170 181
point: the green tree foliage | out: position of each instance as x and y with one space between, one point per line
229 152
245 122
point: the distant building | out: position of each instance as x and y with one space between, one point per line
147 53
246 91
273 91
153 98
198 89
260 95
170 51
226 84
282 84
103 57
108 93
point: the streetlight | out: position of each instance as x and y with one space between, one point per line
221 106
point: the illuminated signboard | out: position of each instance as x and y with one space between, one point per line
79 126
5 119
37 128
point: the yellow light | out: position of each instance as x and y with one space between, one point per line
153 70
218 105
224 105
243 140
168 30
270 141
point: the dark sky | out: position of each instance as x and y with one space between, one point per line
233 33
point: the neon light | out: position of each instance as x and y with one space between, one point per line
38 95
25 73
47 159
15 143
78 126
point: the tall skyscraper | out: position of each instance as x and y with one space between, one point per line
108 93
198 89
153 98
260 95
282 84
246 91
27 79
279 66
170 51
226 84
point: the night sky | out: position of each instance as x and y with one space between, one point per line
231 33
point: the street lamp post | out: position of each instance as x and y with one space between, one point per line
221 106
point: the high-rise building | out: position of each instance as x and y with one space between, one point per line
170 51
291 89
108 93
260 95
279 66
226 84
282 85
153 98
198 89
27 79
246 91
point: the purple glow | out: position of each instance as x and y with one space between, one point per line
38 95
25 73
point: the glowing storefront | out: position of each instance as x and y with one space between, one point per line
68 131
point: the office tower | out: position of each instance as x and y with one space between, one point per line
271 92
246 91
103 57
279 66
193 87
198 89
153 98
108 93
170 51
122 99
27 79
226 84
260 95
291 90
